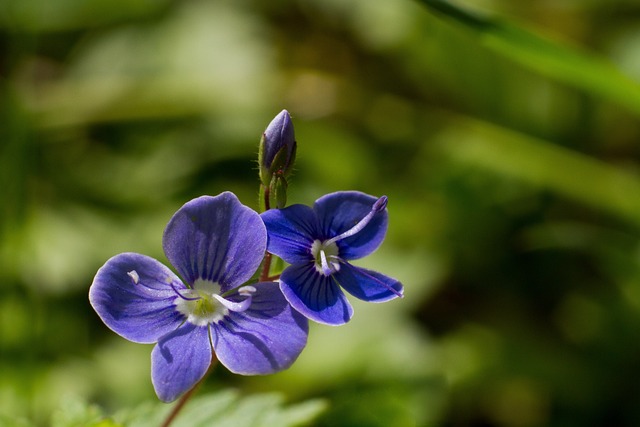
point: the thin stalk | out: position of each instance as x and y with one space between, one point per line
266 266
264 204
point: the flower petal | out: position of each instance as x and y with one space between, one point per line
292 231
266 338
314 295
368 285
180 360
340 211
132 294
216 239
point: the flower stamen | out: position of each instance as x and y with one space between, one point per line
377 207
390 288
135 278
241 306
326 257
324 264
182 296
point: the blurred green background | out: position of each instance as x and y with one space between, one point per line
505 134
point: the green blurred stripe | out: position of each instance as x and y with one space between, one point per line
551 58
603 186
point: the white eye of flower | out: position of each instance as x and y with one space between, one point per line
203 305
326 257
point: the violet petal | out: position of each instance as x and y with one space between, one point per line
266 338
292 231
340 211
368 285
314 295
180 360
132 294
217 239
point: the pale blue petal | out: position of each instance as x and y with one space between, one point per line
216 239
314 295
266 338
132 294
180 360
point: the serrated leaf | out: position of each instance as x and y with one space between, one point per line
75 413
226 409
544 55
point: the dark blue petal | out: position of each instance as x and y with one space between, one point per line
217 239
314 295
132 295
266 338
292 231
180 360
340 211
368 285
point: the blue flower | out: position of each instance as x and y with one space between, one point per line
318 242
215 244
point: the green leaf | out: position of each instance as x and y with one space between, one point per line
544 55
544 165
226 409
76 413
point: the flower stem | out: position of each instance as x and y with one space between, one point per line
265 206
265 194
266 266
185 397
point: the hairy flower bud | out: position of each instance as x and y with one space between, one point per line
277 148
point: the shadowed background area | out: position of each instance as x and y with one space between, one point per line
504 133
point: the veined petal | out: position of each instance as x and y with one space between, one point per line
292 231
266 338
314 295
180 360
216 239
367 285
340 211
133 296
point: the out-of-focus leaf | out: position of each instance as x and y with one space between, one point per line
397 404
582 178
227 409
6 421
201 58
542 54
43 15
75 413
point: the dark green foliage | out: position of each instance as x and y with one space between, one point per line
505 135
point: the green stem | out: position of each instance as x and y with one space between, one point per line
265 206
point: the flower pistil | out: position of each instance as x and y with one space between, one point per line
203 304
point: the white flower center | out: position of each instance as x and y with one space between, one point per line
326 257
202 307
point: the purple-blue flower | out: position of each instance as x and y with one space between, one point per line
215 244
318 242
